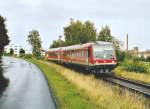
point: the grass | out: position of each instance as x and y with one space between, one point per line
77 91
123 70
132 75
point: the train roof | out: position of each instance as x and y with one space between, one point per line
103 43
80 46
53 49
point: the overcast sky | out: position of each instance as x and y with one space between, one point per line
50 16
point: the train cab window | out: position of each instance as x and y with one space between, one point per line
103 52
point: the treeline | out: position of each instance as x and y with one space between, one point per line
82 32
12 52
75 33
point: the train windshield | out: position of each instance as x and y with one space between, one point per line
103 51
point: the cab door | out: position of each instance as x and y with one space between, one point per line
87 55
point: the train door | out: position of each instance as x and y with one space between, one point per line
87 55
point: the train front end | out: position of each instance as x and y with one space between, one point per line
104 56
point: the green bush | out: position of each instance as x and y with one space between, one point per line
121 56
134 65
139 58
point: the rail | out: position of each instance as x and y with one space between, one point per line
133 85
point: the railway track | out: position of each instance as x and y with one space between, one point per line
135 86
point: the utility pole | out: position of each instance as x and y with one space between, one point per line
127 43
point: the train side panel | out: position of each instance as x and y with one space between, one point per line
54 55
73 56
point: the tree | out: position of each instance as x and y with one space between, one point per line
73 32
121 56
105 34
21 52
4 39
89 32
58 43
35 41
77 32
11 51
117 43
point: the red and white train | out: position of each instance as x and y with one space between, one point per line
96 56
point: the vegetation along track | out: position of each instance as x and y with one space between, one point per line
133 85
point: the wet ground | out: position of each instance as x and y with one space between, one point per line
27 88
3 81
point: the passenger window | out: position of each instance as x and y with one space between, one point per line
83 53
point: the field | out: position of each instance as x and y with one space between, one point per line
73 90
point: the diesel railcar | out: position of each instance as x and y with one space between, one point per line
98 57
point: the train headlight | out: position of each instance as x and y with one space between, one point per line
113 61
